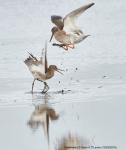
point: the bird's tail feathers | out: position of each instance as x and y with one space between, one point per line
84 37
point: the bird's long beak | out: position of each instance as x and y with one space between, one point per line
59 71
51 37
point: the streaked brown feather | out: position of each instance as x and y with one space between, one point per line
33 56
46 65
57 20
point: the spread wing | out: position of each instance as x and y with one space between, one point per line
58 21
46 65
43 59
34 65
33 57
70 21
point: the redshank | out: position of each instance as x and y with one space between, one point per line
67 32
39 69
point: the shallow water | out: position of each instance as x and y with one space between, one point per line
91 105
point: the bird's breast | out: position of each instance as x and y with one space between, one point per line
62 37
39 76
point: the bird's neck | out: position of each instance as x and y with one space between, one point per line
50 73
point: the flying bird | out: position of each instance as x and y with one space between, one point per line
40 70
67 32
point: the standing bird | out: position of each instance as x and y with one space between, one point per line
67 32
39 69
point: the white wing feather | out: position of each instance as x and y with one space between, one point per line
70 21
39 67
42 60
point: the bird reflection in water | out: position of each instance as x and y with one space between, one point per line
40 117
72 142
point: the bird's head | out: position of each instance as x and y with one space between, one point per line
54 30
54 68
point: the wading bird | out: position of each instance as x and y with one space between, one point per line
39 69
67 32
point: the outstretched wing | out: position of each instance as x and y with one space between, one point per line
34 58
58 21
43 59
34 65
46 65
70 21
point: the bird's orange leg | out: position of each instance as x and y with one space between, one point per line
65 48
70 46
